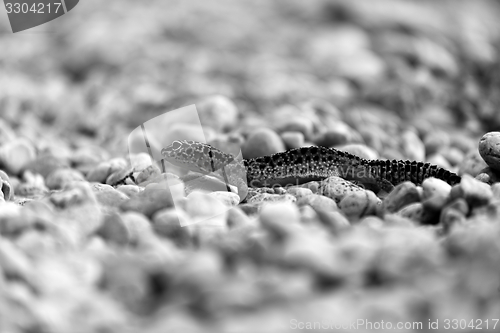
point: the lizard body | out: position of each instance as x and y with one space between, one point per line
300 165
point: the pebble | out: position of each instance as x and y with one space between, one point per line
140 161
293 139
139 227
439 160
166 223
6 133
154 198
298 192
227 198
360 150
436 141
402 195
453 155
45 164
205 210
451 218
281 219
489 149
299 124
111 197
472 164
267 197
317 201
148 173
32 186
340 135
236 218
358 204
414 212
16 154
129 190
337 188
14 262
99 173
217 112
113 229
262 142
473 191
5 187
434 187
413 148
120 177
59 178
334 221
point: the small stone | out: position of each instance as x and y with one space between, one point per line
341 134
61 177
237 218
337 188
119 177
74 194
11 219
488 176
299 192
114 230
152 199
6 188
436 141
112 197
100 172
472 164
33 186
360 150
205 210
129 190
453 155
451 217
439 160
6 133
148 173
166 223
218 112
473 191
138 225
489 149
495 188
267 197
317 201
16 154
332 220
262 142
280 218
435 187
413 147
140 161
299 124
403 194
358 204
414 212
227 198
13 262
293 139
46 164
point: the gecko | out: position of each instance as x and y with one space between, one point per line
300 165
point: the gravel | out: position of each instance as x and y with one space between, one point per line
96 238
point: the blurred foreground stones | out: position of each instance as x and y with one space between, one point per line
95 240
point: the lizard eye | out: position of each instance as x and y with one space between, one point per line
176 145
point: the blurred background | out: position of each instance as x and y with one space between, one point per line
122 62
411 79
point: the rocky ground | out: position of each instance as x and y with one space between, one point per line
90 235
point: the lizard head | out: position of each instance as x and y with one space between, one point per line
195 156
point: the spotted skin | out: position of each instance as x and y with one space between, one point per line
300 165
